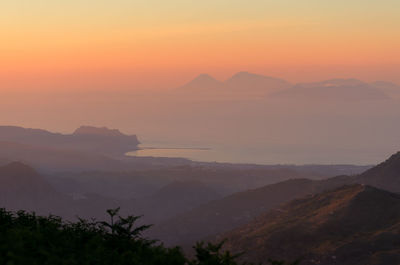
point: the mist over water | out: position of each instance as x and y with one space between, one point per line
240 127
263 154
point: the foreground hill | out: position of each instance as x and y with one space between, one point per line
352 225
235 210
385 176
85 138
240 208
26 238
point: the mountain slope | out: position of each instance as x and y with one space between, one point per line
351 225
22 188
235 210
174 198
240 208
385 175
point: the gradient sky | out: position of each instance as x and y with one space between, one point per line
92 44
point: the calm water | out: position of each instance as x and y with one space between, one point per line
190 153
265 154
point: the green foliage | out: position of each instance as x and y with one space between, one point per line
212 254
277 262
29 239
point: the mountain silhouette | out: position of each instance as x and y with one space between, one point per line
103 131
253 83
354 224
202 82
334 89
242 83
391 89
85 138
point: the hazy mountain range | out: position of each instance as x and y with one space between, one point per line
335 89
327 221
239 208
85 138
320 213
247 118
249 84
243 83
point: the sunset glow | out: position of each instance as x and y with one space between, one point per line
130 44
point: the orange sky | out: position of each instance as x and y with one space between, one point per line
104 44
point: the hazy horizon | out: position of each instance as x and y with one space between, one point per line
239 125
51 45
130 65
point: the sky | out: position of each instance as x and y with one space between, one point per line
132 44
102 54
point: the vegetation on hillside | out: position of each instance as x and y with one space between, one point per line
26 238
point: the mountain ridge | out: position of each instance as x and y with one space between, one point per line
246 83
23 188
86 138
349 225
241 82
333 89
239 208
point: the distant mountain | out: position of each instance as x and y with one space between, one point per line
245 82
391 89
350 225
249 84
201 83
242 83
103 131
85 138
335 89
